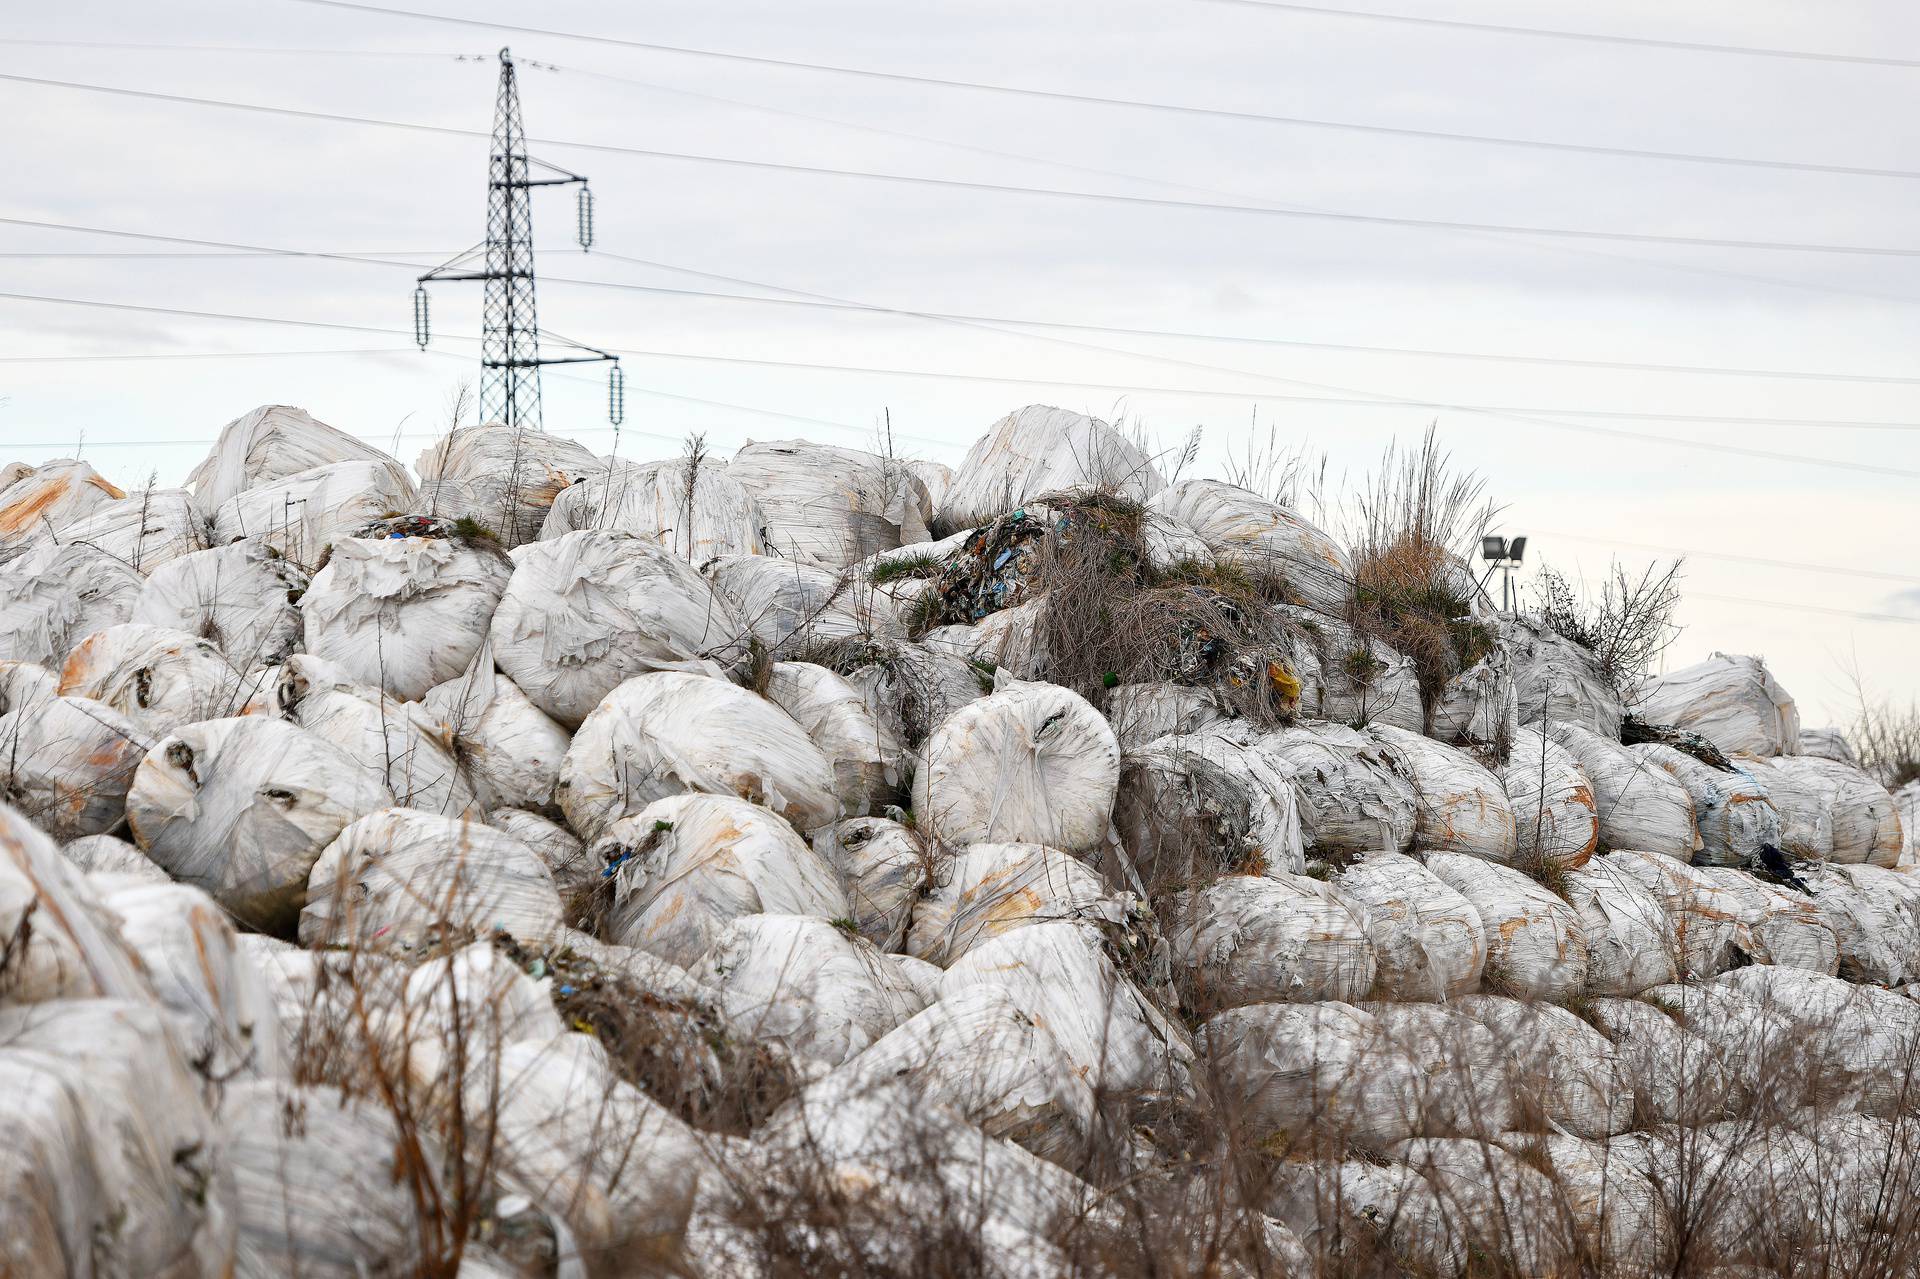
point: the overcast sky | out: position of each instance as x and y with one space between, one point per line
128 164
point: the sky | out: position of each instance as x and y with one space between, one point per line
1799 534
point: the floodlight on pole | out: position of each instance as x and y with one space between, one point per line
1493 548
1505 555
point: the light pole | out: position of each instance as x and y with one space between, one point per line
1504 555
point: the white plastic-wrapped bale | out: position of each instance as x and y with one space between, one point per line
1255 939
242 597
1555 818
24 683
1828 743
1709 920
1040 450
159 679
884 866
1563 1070
1459 1082
66 763
1059 972
401 878
921 975
271 443
1640 805
1733 702
1459 807
1864 1038
1428 941
669 733
56 595
586 611
866 757
144 530
41 505
1806 823
1350 678
303 514
462 1009
109 1161
504 477
511 748
685 867
1735 817
111 855
1190 806
1907 800
1631 941
1354 796
1478 706
802 982
791 607
912 690
66 946
563 851
1535 946
1754 1040
399 743
1031 763
1011 640
689 507
1503 1207
1358 1208
1676 1076
831 506
990 889
1786 927
242 808
404 613
1263 538
1863 817
1611 1207
1556 681
1144 713
1874 934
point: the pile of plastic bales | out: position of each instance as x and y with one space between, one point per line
544 864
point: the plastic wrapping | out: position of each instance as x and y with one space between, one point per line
691 509
1784 927
241 597
1709 920
111 855
912 690
1459 807
157 678
1806 821
1753 1039
1536 948
1631 940
1039 450
1561 1068
866 757
1351 679
1735 817
1500 1205
56 595
1144 713
1032 762
303 514
403 613
66 763
1733 702
1479 706
1190 806
1010 640
1676 1076
271 443
562 850
1556 820
685 867
884 866
1558 682
584 612
793 607
1428 941
243 807
1872 928
41 505
1264 538
990 889
1354 795
667 733
1864 1038
511 750
502 476
145 529
1360 1207
68 946
1862 815
399 743
1828 743
831 506
1640 805
1253 939
24 683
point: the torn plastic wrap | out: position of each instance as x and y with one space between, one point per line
1556 681
1709 921
1806 821
242 597
584 612
56 595
1734 702
693 510
1253 939
1675 1075
271 443
1144 713
1459 807
1873 922
867 759
1011 640
831 506
1631 940
1479 706
563 851
1039 450
1862 815
884 865
66 763
990 889
1536 948
1559 1065
243 807
1265 539
67 946
403 613
511 749
1556 820
1031 763
1352 679
1355 797
40 505
303 514
667 734
1428 942
157 678
794 608
399 743
144 530
1191 806
1641 806
504 477
1736 818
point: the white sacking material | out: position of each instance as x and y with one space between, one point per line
1459 807
1872 927
66 763
403 613
1556 821
1733 702
1535 946
563 851
1338 1204
1907 800
303 514
401 878
1030 763
512 750
1561 1067
683 868
1192 805
502 476
1040 450
1611 1206
667 734
1459 1082
1631 940
586 611
1753 1039
1501 1205
56 595
1828 743
1478 706
241 596
990 889
937 477
242 808
111 855
399 743
1864 1038
1641 806
884 866
1428 941
42 504
64 944
1011 640
159 679
1786 927
1709 922
1862 815
1354 797
271 443
145 529
866 757
1735 817
1254 939
791 606
24 683
831 506
690 508
1059 973
802 982
1144 713
1806 821
1264 538
912 690
462 1009
1676 1076
1353 679
1557 682
112 1164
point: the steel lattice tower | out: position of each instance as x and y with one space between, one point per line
510 359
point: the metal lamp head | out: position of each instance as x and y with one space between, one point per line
1493 549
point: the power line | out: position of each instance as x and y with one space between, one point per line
131 45
1805 608
1175 108
193 355
1595 37
998 188
1763 561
